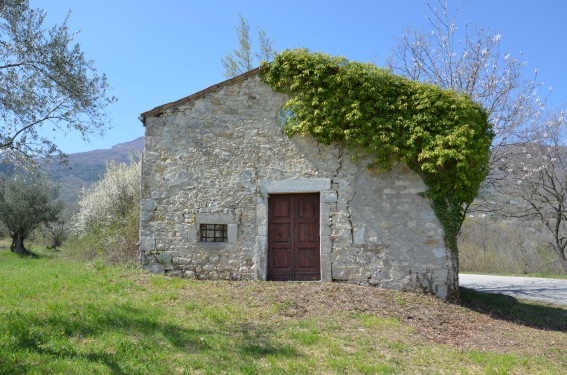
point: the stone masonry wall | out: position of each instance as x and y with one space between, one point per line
216 158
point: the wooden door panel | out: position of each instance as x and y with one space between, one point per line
307 208
293 237
307 233
282 259
281 209
307 259
282 233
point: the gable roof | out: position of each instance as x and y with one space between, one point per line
162 108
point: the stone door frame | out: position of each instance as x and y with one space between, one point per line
327 197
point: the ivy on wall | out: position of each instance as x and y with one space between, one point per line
443 136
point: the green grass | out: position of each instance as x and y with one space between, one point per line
60 317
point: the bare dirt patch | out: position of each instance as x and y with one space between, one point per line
502 324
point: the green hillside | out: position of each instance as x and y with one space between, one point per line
84 168
60 317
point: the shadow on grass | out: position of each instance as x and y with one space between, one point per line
503 307
44 253
27 255
124 339
257 343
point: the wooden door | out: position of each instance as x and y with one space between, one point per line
293 237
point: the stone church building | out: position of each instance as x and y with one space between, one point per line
227 195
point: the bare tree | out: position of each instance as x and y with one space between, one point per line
471 60
46 82
528 168
533 182
243 58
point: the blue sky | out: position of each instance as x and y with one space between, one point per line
155 52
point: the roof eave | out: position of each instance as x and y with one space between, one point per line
162 108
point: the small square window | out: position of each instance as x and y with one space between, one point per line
213 233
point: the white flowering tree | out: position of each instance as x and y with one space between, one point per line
472 60
109 199
108 219
529 161
533 183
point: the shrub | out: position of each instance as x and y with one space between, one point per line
106 225
490 245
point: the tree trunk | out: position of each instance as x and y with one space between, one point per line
13 244
563 261
561 256
19 247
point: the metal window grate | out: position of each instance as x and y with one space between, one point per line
213 233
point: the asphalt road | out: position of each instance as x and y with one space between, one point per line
546 290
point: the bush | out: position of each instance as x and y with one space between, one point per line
107 224
487 245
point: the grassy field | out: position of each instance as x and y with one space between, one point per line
59 317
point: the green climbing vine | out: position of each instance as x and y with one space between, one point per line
443 136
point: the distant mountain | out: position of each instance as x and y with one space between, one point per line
84 168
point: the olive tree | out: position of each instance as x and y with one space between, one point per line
46 84
27 200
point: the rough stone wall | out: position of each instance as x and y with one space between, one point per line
216 158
